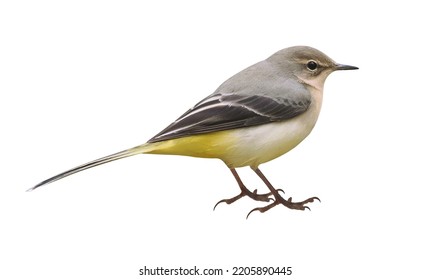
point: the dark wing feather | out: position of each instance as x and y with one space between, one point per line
228 111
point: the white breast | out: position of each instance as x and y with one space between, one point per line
259 144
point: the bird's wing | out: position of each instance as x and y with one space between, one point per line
221 111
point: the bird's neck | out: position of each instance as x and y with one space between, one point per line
312 84
317 97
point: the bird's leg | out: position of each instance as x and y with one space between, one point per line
279 199
245 192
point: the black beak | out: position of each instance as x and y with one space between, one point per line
344 67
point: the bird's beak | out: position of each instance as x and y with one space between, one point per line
344 67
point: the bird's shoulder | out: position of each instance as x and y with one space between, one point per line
265 79
257 95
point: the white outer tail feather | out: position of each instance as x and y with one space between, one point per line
123 154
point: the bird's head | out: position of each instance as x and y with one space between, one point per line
310 66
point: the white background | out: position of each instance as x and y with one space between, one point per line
83 79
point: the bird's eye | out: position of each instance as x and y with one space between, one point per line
312 65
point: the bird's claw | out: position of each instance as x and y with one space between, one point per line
263 209
230 200
262 197
298 205
222 200
254 195
287 203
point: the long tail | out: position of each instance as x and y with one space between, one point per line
123 154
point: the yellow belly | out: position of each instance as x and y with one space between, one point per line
240 147
209 145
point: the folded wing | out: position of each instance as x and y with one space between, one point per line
222 111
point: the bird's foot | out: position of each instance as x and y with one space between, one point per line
254 195
287 203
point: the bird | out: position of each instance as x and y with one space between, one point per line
257 115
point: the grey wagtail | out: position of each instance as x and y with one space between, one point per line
255 116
